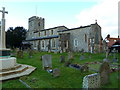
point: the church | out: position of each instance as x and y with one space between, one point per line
62 39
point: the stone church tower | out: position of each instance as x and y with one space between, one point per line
34 24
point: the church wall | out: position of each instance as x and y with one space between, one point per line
77 39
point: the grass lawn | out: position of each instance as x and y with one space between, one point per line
69 77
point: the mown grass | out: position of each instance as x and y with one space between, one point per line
69 77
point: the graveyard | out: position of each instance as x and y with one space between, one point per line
69 75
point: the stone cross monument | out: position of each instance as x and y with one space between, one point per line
3 51
3 41
6 62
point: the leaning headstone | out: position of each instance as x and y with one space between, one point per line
62 59
56 72
47 61
104 73
20 54
91 81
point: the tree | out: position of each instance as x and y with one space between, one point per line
14 37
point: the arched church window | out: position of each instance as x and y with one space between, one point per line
39 24
53 42
43 44
75 42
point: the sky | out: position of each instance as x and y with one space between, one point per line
70 13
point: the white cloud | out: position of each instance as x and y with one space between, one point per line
106 13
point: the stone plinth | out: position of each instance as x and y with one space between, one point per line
4 52
7 62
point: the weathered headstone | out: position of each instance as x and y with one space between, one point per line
91 81
82 57
67 63
70 56
62 59
106 60
84 68
40 58
115 60
56 72
20 54
47 61
104 73
30 52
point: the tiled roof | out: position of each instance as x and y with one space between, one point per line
110 43
77 28
47 37
51 28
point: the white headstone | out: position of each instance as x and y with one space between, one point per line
47 61
91 81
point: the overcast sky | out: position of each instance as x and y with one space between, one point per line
70 13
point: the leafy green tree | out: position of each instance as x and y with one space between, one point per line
14 37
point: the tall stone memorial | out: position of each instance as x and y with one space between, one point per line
9 68
5 60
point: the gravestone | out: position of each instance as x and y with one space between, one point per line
62 59
106 60
82 57
56 72
104 73
20 54
67 63
47 61
84 68
91 81
30 53
40 58
115 60
70 56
